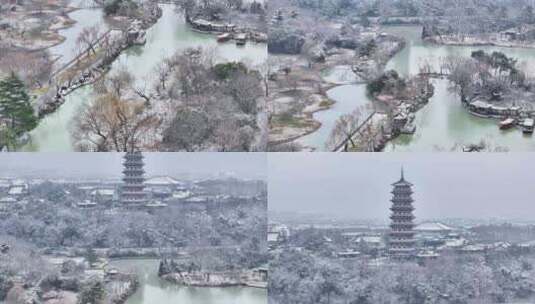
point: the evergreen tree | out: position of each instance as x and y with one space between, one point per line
15 105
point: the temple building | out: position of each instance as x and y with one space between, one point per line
401 243
133 193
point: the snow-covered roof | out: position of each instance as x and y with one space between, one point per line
16 190
103 192
19 182
455 242
181 194
155 204
273 237
86 203
432 227
162 180
369 239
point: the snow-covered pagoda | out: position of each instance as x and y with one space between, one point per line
401 238
133 193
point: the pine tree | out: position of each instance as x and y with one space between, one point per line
15 105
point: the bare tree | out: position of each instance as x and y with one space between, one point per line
347 128
245 89
33 68
461 72
87 39
112 123
188 131
120 81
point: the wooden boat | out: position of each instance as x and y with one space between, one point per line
527 126
224 37
507 123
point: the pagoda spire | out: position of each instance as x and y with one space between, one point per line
401 236
133 194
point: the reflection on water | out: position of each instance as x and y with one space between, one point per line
167 36
153 290
443 123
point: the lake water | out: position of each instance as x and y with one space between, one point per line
444 123
154 290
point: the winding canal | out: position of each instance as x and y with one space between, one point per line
154 290
165 38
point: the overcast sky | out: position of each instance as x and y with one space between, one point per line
358 185
109 165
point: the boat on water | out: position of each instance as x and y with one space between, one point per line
507 123
224 37
241 39
527 125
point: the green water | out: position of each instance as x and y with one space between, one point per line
443 123
153 290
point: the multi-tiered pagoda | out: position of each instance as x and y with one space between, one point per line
401 239
133 194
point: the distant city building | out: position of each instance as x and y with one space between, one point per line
133 193
401 243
